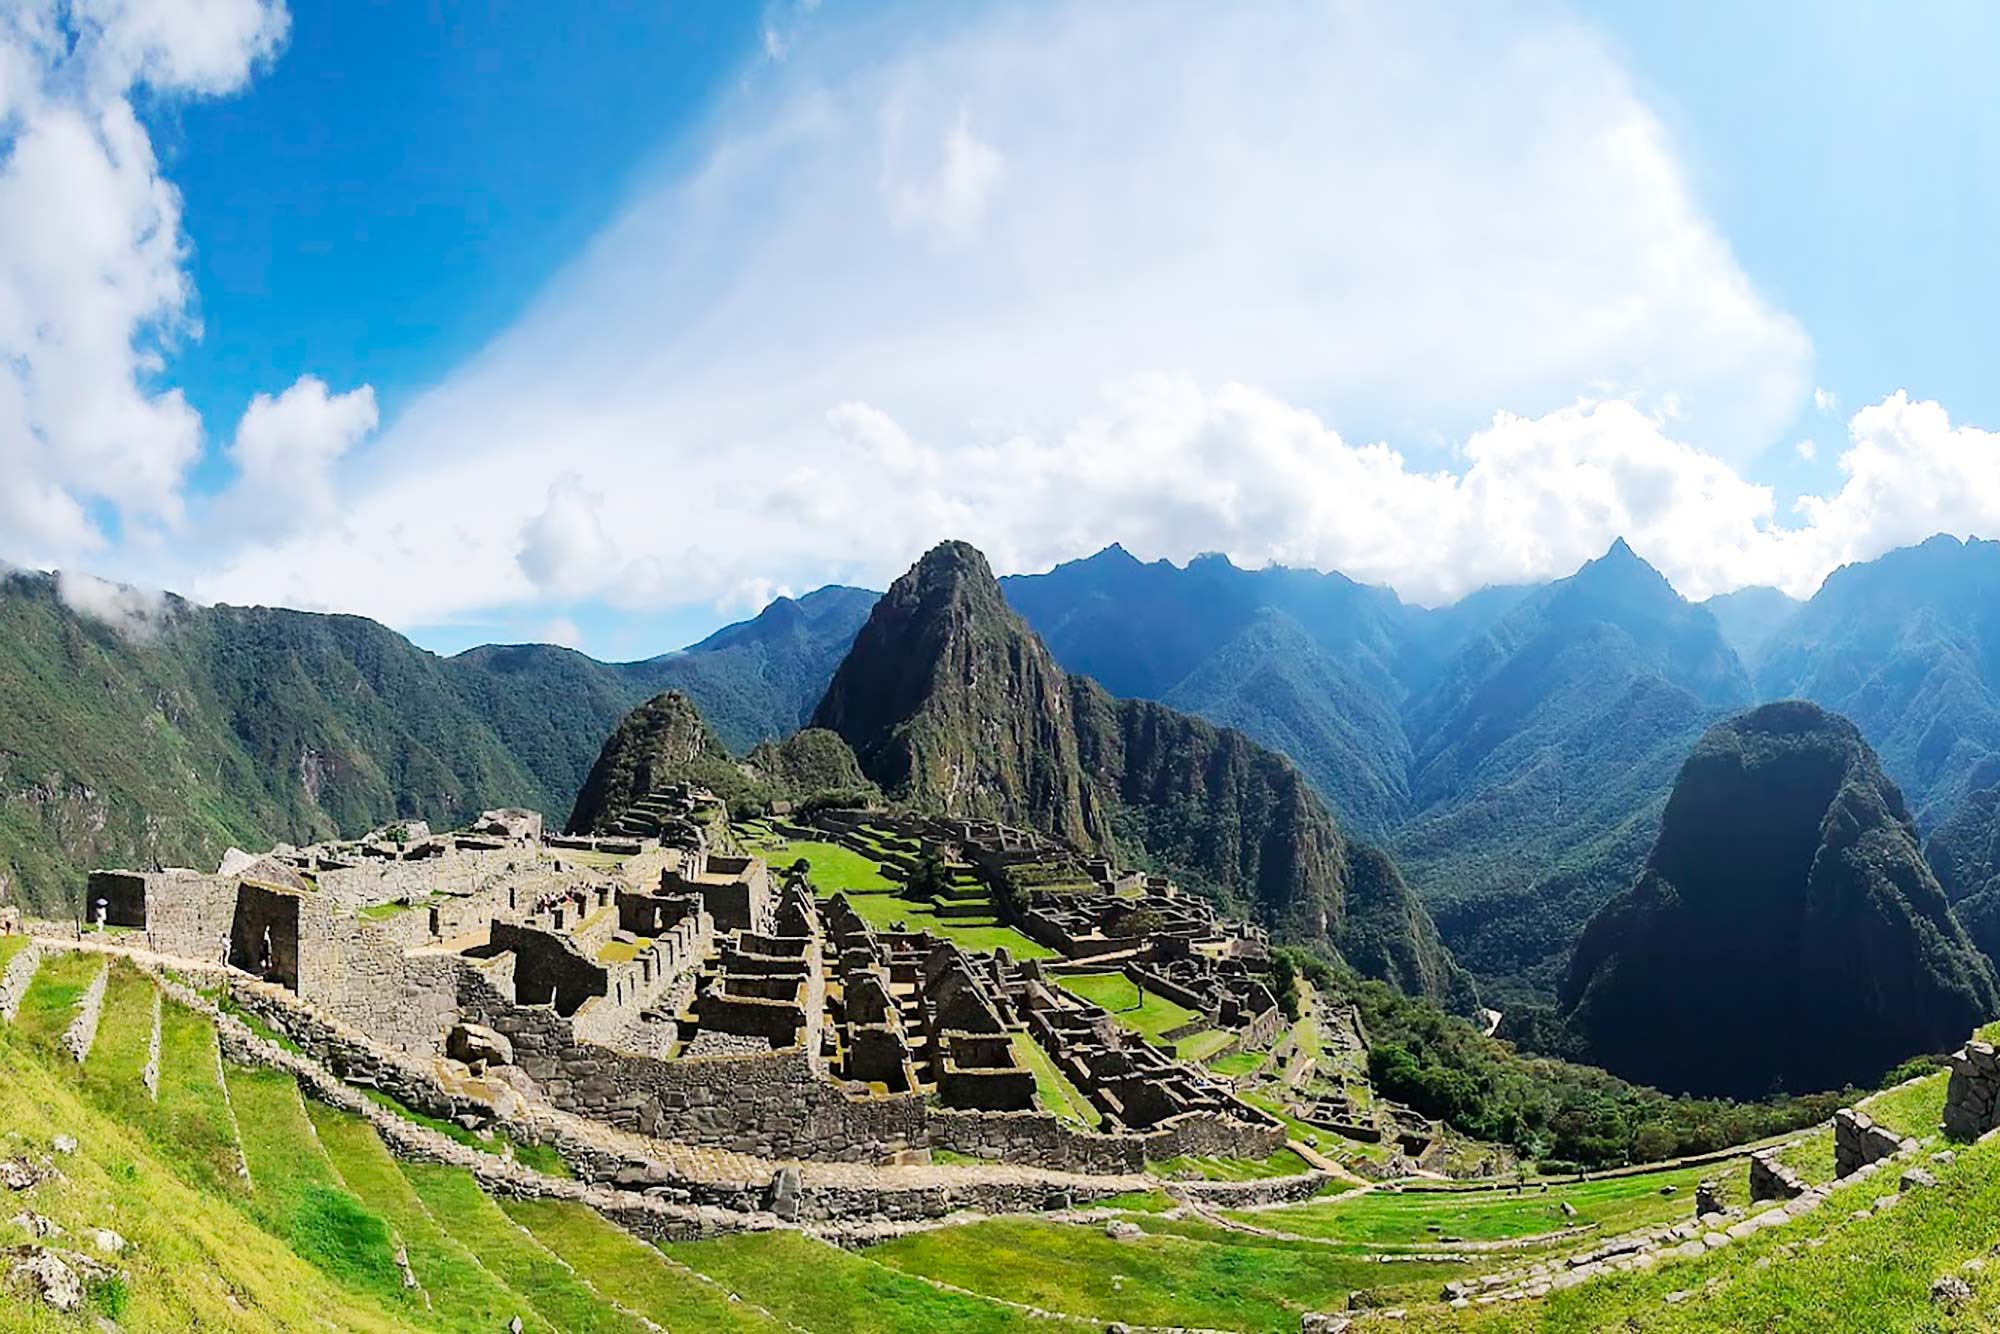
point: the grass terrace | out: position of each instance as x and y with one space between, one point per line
1056 1093
1150 1016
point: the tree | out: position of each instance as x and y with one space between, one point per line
1285 984
930 876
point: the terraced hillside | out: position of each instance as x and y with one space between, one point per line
184 1191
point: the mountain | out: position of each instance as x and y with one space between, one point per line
950 701
1785 932
183 729
1750 618
1965 854
1908 646
1543 756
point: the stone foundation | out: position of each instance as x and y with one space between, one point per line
1772 1180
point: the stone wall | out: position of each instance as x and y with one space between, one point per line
456 871
189 914
1036 1137
14 981
1858 1141
1252 1194
1972 1097
771 1105
1772 1180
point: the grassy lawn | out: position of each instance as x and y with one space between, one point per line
542 1158
11 946
819 1287
50 1003
1916 1110
1283 1163
644 1280
463 1294
1237 1063
1155 1280
1057 1094
882 910
1418 1217
510 1254
1149 1016
830 866
1200 1046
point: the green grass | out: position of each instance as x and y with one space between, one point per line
1150 1016
1140 1202
511 1254
1237 1063
50 1002
1871 1276
876 897
1414 1218
296 1194
1811 1157
645 1281
1914 1110
1200 1046
1283 1163
194 1262
464 1294
830 866
193 1123
10 946
1158 1279
819 1287
115 1072
1057 1094
621 951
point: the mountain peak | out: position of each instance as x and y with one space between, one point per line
1781 827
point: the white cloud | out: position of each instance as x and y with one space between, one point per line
93 292
560 631
136 613
285 450
1395 221
947 197
1807 450
565 549
1825 400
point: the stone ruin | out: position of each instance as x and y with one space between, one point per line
1972 1095
679 996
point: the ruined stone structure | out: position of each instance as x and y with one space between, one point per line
1858 1141
1972 1095
658 988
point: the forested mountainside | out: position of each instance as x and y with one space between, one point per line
950 702
1786 932
1513 751
1750 618
1908 646
190 728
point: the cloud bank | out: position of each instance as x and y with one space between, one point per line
1047 276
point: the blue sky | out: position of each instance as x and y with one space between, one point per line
605 323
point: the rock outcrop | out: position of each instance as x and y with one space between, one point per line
1786 932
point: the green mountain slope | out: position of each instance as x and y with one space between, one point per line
1543 757
1908 646
1786 931
208 726
1965 854
952 703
